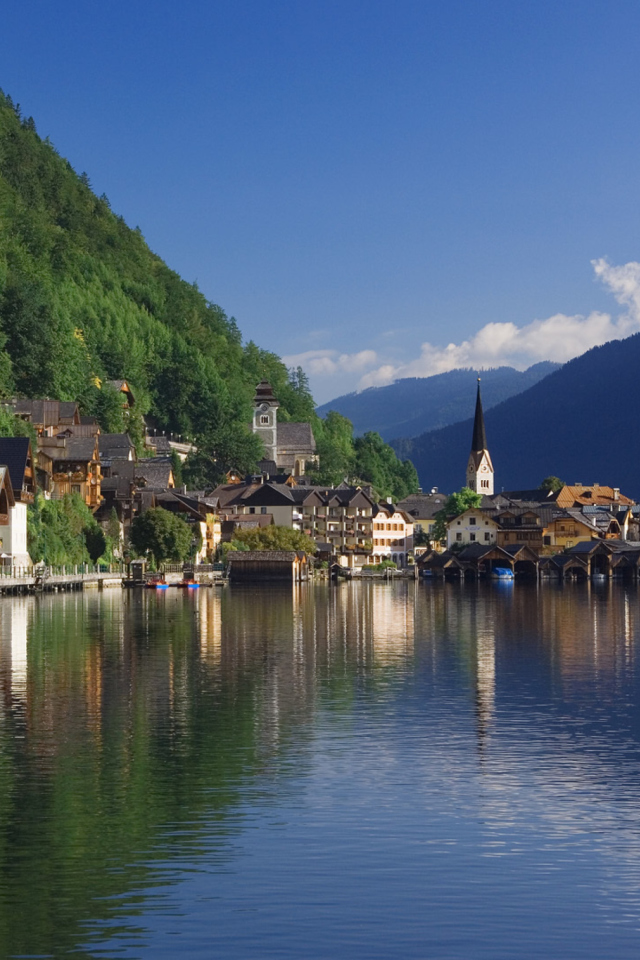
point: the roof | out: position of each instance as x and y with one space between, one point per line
265 556
529 496
159 443
423 505
119 486
571 496
264 393
5 481
77 448
476 551
110 444
296 436
153 474
68 410
479 439
122 385
14 453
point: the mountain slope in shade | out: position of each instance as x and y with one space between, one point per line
414 405
579 423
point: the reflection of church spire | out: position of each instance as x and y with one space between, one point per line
485 684
479 467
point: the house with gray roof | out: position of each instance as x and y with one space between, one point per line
289 445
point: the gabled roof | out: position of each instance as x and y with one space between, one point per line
5 481
14 453
296 436
595 494
153 474
111 444
423 505
76 448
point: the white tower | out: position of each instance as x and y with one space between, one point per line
265 419
479 467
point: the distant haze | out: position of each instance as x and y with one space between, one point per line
579 423
413 406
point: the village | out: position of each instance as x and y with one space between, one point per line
556 530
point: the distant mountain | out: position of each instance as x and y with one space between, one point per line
579 423
412 406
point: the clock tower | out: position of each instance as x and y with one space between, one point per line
265 419
479 467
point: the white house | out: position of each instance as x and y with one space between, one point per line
472 526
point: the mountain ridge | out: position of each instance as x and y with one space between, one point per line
575 424
413 405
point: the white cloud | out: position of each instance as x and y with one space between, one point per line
558 338
329 362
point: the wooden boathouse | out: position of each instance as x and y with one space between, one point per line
260 565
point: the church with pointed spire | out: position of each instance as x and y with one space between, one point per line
480 467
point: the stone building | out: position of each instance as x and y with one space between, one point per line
290 446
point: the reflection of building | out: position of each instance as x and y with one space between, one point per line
485 675
392 623
210 625
14 621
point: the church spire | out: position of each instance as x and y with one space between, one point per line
479 441
479 467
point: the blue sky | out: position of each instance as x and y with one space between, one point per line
354 180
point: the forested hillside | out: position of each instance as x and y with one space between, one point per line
414 405
83 300
578 424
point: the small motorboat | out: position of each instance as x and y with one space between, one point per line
502 573
156 582
188 584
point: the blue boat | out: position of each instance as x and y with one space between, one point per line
502 573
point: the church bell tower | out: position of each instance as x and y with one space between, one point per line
265 419
479 467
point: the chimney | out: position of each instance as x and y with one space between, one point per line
434 489
389 499
616 493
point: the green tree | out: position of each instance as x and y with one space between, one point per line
63 531
162 534
455 504
377 464
276 538
96 542
223 448
552 483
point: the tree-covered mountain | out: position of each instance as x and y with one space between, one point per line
578 424
415 405
84 300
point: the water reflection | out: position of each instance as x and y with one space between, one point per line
142 731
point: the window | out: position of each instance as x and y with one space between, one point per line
472 536
252 509
75 488
263 509
487 536
472 521
458 537
264 418
546 541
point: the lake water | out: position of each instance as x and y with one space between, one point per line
376 770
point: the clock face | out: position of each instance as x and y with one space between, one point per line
264 407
